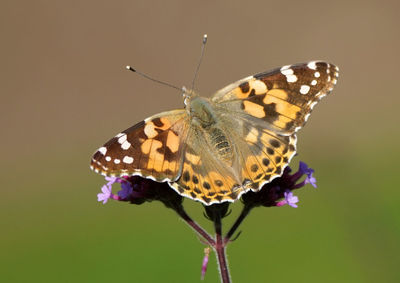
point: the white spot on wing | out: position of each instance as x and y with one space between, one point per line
304 89
108 158
312 65
317 74
313 104
117 161
314 82
286 71
291 78
125 145
127 160
285 68
122 139
103 150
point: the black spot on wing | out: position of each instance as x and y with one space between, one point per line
244 87
157 122
206 185
186 176
274 143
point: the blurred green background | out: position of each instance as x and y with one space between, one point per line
64 92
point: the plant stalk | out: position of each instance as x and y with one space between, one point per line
220 250
196 227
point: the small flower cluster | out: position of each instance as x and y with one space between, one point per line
279 191
137 190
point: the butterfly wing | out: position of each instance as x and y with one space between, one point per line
205 176
280 100
152 148
261 115
262 154
221 163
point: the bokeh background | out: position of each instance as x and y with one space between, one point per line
64 92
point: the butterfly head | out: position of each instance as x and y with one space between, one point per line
188 95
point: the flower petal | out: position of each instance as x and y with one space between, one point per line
105 194
291 199
126 190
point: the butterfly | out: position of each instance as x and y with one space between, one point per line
216 149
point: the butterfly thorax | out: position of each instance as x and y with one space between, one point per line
204 118
201 112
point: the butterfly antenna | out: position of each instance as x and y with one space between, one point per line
201 58
152 79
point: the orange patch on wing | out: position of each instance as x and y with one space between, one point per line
158 162
281 121
252 136
254 109
279 93
155 158
172 166
227 182
252 169
240 94
172 141
282 106
194 159
166 123
146 146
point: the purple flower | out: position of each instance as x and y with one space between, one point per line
137 190
290 199
304 169
278 191
126 190
105 194
311 180
111 180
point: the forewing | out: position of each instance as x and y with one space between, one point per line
282 98
152 148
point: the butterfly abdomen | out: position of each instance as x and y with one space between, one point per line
221 145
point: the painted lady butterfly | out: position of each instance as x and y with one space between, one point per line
217 148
